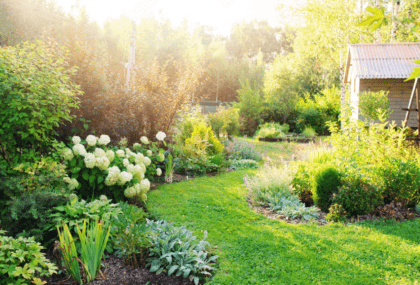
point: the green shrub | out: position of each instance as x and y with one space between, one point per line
325 182
203 134
224 121
36 95
21 259
308 132
239 148
29 215
358 197
175 249
400 180
130 235
336 213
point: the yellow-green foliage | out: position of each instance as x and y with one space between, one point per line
201 138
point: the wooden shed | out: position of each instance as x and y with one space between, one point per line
375 67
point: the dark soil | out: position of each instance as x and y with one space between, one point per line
117 272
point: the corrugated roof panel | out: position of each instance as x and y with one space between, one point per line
392 60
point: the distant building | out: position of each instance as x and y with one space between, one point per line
376 67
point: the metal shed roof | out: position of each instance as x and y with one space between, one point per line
391 60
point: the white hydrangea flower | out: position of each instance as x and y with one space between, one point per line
144 185
113 176
90 160
76 140
160 157
110 154
79 149
161 136
158 171
144 140
130 192
125 162
139 158
68 154
99 152
120 153
103 198
149 153
102 163
104 140
124 178
91 140
147 161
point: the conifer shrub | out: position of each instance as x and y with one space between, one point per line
325 182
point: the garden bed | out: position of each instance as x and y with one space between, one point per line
290 139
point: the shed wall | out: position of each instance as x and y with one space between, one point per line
399 97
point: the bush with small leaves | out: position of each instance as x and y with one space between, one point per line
326 181
21 259
336 213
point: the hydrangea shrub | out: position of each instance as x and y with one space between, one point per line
94 168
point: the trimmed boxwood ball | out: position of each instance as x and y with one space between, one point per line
325 182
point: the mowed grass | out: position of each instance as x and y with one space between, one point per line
256 250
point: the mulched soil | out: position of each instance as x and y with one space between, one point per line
267 212
117 272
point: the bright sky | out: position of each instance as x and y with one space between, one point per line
219 14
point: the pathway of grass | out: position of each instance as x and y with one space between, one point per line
257 250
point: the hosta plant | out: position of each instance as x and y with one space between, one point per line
176 250
20 259
94 168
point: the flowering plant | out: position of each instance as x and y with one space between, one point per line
94 168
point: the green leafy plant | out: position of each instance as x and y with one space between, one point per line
374 104
325 182
309 132
21 259
291 207
357 196
131 235
239 148
336 213
36 95
175 249
243 163
93 243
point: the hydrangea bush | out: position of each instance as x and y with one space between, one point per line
95 168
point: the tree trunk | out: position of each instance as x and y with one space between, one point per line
378 31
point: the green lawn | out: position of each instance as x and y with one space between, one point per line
256 250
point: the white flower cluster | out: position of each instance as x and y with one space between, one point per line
90 160
120 153
72 182
161 136
104 140
144 140
124 178
113 176
79 149
147 161
91 140
68 154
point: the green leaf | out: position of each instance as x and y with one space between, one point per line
85 175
